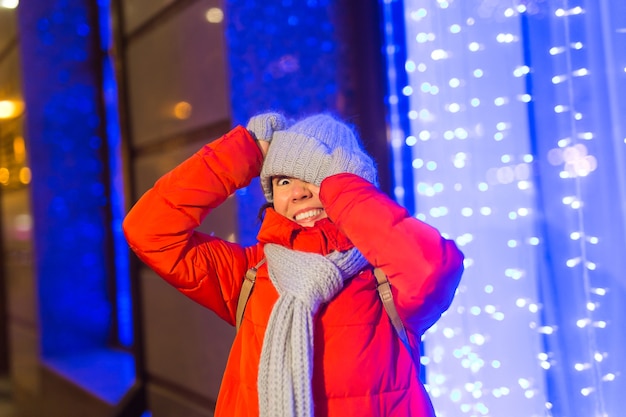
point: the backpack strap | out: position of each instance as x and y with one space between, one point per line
383 287
384 291
246 290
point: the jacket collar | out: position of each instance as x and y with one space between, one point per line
323 237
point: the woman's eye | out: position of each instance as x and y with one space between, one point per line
282 181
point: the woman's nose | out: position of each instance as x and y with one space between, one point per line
300 191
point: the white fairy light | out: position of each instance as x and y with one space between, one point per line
468 135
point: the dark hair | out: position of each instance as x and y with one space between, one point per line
262 210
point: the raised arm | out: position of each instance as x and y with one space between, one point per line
423 268
160 228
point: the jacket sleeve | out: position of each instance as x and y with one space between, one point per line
424 268
160 228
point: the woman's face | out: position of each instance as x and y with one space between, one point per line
297 200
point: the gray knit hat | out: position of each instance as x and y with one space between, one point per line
315 148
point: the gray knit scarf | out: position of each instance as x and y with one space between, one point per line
304 281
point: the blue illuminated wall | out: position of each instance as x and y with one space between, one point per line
507 116
283 56
69 189
73 139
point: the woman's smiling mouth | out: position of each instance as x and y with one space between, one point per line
307 214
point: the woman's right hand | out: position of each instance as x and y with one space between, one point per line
264 146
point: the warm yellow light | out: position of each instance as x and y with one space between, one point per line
4 176
19 149
214 15
9 4
182 110
25 175
10 109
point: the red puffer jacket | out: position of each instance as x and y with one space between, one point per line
360 365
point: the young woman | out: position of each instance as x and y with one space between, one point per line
315 339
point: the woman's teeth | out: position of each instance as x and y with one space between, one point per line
306 214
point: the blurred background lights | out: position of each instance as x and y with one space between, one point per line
469 87
182 110
9 4
438 54
424 37
599 291
454 107
418 14
521 71
19 149
461 133
214 15
562 143
4 176
10 109
556 50
505 38
25 175
573 262
582 366
580 72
